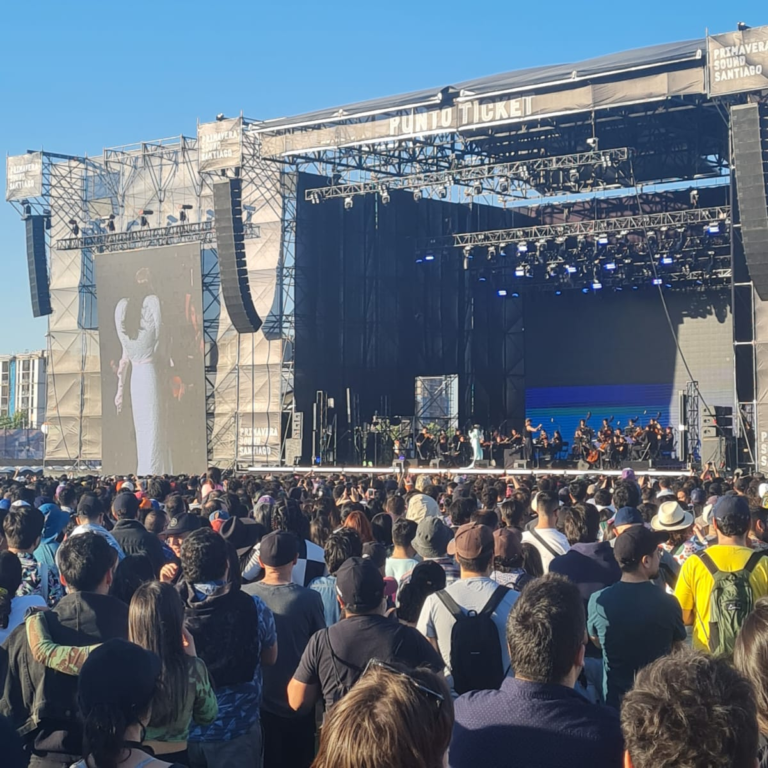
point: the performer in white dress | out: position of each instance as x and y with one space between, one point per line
475 440
140 353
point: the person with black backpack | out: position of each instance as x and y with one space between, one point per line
466 622
718 588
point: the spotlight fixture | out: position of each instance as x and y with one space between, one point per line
610 266
74 227
602 240
501 292
314 198
666 260
385 198
429 257
742 26
183 212
417 195
713 229
596 286
694 197
593 143
656 281
143 217
503 185
111 223
522 247
442 193
491 252
520 271
477 188
348 203
220 117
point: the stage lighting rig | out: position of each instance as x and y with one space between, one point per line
348 203
183 212
143 217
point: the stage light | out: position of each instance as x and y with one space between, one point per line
143 217
491 252
111 223
504 185
74 227
384 194
501 292
522 247
429 257
694 197
515 295
519 271
742 26
482 279
314 198
610 266
348 203
666 260
656 281
477 188
634 287
596 286
220 117
419 261
570 270
442 193
417 195
558 293
593 142
585 289
602 240
713 229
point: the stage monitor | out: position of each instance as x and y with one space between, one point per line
152 376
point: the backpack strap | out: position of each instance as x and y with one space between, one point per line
453 607
493 603
754 559
544 543
709 563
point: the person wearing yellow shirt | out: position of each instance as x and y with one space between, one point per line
731 521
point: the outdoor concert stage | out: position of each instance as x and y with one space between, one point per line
589 237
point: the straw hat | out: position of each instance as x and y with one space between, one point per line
671 517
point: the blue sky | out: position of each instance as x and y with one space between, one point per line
83 75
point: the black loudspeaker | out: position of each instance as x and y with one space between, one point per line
38 267
230 241
748 124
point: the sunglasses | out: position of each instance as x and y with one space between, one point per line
437 697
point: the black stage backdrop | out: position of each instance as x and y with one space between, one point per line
370 318
157 425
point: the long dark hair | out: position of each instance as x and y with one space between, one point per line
750 657
10 580
155 622
132 319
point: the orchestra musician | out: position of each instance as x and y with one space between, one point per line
528 432
444 450
582 439
667 442
425 446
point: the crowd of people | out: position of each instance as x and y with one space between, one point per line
383 621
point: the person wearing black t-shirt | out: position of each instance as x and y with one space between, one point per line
336 657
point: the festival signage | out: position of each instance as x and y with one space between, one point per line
24 176
219 144
738 61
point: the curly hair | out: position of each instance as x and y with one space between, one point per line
690 709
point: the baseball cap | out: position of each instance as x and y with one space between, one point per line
360 584
698 496
472 540
181 524
507 544
278 548
627 516
432 537
376 552
635 543
241 533
125 505
128 486
118 672
731 507
90 506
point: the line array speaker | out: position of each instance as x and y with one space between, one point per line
38 267
235 288
750 154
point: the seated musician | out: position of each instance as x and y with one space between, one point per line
444 448
667 442
425 445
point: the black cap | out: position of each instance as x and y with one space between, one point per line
118 672
241 533
278 548
125 505
360 585
732 507
635 543
376 552
90 506
181 524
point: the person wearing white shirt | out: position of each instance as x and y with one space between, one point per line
544 536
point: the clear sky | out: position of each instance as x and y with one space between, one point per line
82 75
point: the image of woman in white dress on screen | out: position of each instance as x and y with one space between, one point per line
138 321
